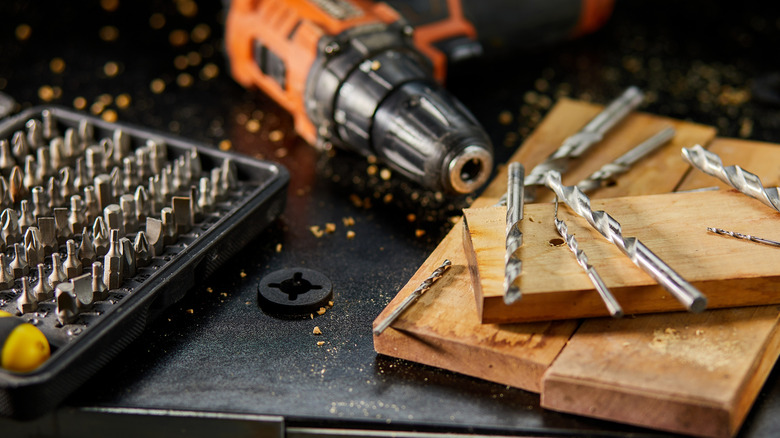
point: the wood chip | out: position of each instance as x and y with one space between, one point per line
317 331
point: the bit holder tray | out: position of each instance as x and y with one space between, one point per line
198 206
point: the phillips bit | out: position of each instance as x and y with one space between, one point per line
409 300
576 145
6 274
26 218
16 186
143 254
736 235
99 289
49 125
40 203
34 133
112 215
142 207
113 270
42 290
129 219
87 252
48 234
735 176
170 232
67 184
182 214
20 147
33 248
81 178
689 296
57 153
100 237
10 232
30 176
92 208
26 303
609 171
67 306
73 267
53 193
514 237
62 228
44 169
205 200
129 264
19 265
7 161
58 274
606 296
77 218
155 236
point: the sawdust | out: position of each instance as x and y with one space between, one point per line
707 352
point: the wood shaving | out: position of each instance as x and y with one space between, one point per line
321 311
315 229
317 331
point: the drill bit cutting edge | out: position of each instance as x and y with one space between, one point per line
686 294
514 237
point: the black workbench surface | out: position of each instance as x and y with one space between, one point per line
216 353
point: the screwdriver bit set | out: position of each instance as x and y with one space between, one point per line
102 226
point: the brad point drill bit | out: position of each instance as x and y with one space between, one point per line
417 293
609 171
576 145
735 176
736 235
609 300
514 237
689 296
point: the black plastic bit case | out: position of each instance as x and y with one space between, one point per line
261 199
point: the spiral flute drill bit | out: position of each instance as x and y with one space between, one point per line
417 293
689 296
742 236
609 300
735 176
514 237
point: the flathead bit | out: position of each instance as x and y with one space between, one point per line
67 306
81 178
30 177
87 252
100 237
6 275
86 134
735 176
26 218
7 161
62 228
77 218
16 186
99 289
40 203
129 219
10 232
143 251
58 274
92 208
57 153
128 258
121 145
170 232
182 214
73 267
156 236
142 205
67 185
20 147
42 290
33 247
34 133
514 237
49 125
44 169
26 303
19 265
114 269
205 198
48 234
689 296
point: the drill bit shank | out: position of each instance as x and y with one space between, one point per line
689 296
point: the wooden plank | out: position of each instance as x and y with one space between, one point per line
673 226
693 374
443 329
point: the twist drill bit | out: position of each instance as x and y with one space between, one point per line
417 293
735 176
737 235
606 296
609 171
514 237
689 296
576 145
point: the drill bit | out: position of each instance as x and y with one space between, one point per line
606 296
689 296
576 145
743 236
417 293
514 237
609 171
735 176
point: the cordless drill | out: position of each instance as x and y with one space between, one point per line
366 76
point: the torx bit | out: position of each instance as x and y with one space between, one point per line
6 274
128 258
48 234
689 296
87 252
621 165
33 248
514 237
170 232
67 306
77 218
42 290
26 218
10 232
142 206
19 266
143 251
92 208
20 147
7 161
182 214
63 232
129 219
26 303
112 215
576 145
99 289
34 133
409 300
743 236
40 203
100 237
16 186
72 266
155 235
113 270
606 296
58 274
735 176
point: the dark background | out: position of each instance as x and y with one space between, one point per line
711 63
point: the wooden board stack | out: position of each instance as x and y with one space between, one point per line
695 374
